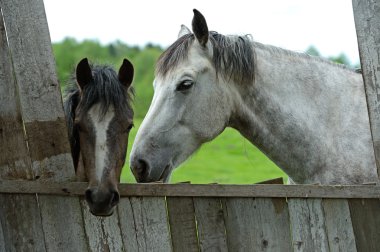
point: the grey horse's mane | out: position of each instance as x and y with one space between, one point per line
279 50
233 56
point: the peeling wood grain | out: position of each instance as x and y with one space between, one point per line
339 226
2 241
20 222
183 228
151 223
210 223
127 225
260 224
41 107
14 160
307 223
48 138
367 23
103 233
366 223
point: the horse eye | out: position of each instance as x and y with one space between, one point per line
184 85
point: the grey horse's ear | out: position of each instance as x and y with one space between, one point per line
184 30
200 28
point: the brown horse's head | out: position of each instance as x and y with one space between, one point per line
100 116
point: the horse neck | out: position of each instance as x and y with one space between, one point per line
308 116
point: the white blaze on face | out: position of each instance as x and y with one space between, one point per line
101 125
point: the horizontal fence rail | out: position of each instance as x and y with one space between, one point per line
185 217
198 190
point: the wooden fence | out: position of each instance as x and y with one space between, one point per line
42 210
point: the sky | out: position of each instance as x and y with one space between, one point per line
291 24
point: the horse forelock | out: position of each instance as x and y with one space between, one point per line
106 90
233 56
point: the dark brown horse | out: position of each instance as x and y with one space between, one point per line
99 118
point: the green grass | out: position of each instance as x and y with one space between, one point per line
228 159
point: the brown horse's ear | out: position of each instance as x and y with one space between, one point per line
83 73
200 28
126 73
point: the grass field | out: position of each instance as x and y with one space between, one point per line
228 159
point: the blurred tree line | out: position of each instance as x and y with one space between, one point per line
69 52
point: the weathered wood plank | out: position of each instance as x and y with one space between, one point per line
151 223
21 223
367 22
2 241
307 223
338 224
14 160
43 117
21 227
183 228
103 233
365 219
127 225
185 190
38 89
210 223
260 224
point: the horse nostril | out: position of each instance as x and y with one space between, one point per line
115 197
142 167
88 195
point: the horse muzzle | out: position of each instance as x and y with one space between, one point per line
102 202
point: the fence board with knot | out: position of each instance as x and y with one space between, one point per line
42 208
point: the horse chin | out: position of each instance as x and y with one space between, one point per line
105 213
165 176
102 214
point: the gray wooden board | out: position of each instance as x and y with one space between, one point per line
43 117
339 226
127 225
151 223
260 224
62 223
210 224
14 160
30 46
365 219
103 233
173 190
2 241
38 89
20 222
307 223
182 223
367 22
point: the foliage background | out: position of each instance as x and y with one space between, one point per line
228 159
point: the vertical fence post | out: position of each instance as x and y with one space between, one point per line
367 22
43 121
19 214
